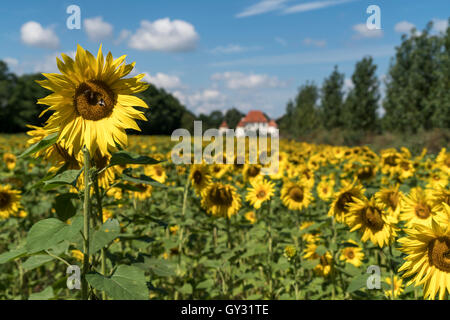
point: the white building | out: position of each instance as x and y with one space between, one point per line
223 128
256 122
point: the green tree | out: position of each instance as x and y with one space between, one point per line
305 116
411 85
360 107
440 96
232 117
332 98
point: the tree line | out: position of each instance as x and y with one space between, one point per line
417 93
417 97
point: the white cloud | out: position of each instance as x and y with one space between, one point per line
33 34
314 43
232 48
281 41
404 27
163 80
123 35
348 84
97 29
363 32
309 6
165 35
202 101
11 62
261 7
239 80
48 63
440 25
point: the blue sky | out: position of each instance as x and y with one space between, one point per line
214 55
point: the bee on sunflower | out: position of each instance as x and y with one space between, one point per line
261 190
221 200
92 102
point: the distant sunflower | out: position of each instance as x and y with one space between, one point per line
10 160
398 286
251 171
9 201
156 172
92 102
325 190
325 261
390 198
295 196
145 191
417 208
352 254
200 177
427 260
343 198
372 220
260 191
251 217
221 200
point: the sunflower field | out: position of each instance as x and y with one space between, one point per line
89 212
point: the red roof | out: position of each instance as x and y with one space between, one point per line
254 116
224 124
272 123
241 123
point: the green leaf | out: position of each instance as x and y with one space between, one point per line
143 179
109 231
310 264
186 289
43 144
126 283
321 250
125 157
47 233
45 294
357 283
207 284
160 268
68 177
36 261
12 255
64 206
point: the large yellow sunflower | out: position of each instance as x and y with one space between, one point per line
428 260
343 198
221 200
260 191
372 220
9 201
92 102
417 208
296 196
200 177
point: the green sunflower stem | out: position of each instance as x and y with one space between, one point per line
270 249
86 220
392 270
100 219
